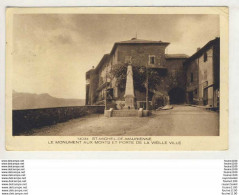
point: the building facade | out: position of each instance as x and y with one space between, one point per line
202 75
193 80
146 55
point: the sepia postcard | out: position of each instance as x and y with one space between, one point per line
117 78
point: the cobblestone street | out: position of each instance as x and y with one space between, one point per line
180 121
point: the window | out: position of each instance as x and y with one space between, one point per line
151 59
205 75
205 57
191 77
195 91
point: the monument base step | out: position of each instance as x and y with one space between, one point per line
125 113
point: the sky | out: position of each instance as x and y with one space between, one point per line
52 52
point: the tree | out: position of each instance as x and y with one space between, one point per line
119 71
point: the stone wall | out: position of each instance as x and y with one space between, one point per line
94 78
192 69
173 76
25 120
140 55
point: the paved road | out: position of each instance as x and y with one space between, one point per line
180 121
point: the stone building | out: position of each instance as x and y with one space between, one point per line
202 75
97 81
144 56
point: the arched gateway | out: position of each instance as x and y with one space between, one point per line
177 95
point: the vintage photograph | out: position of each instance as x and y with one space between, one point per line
137 75
116 73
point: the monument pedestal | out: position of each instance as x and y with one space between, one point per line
129 109
129 102
129 89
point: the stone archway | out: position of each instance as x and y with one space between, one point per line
177 95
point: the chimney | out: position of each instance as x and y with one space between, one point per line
198 48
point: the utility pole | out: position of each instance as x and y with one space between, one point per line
147 88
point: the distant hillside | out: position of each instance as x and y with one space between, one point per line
31 101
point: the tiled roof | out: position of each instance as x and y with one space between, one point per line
176 56
140 41
137 41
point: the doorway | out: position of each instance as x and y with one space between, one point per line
205 96
190 97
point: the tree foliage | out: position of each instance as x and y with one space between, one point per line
119 71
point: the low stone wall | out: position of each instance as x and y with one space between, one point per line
25 120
